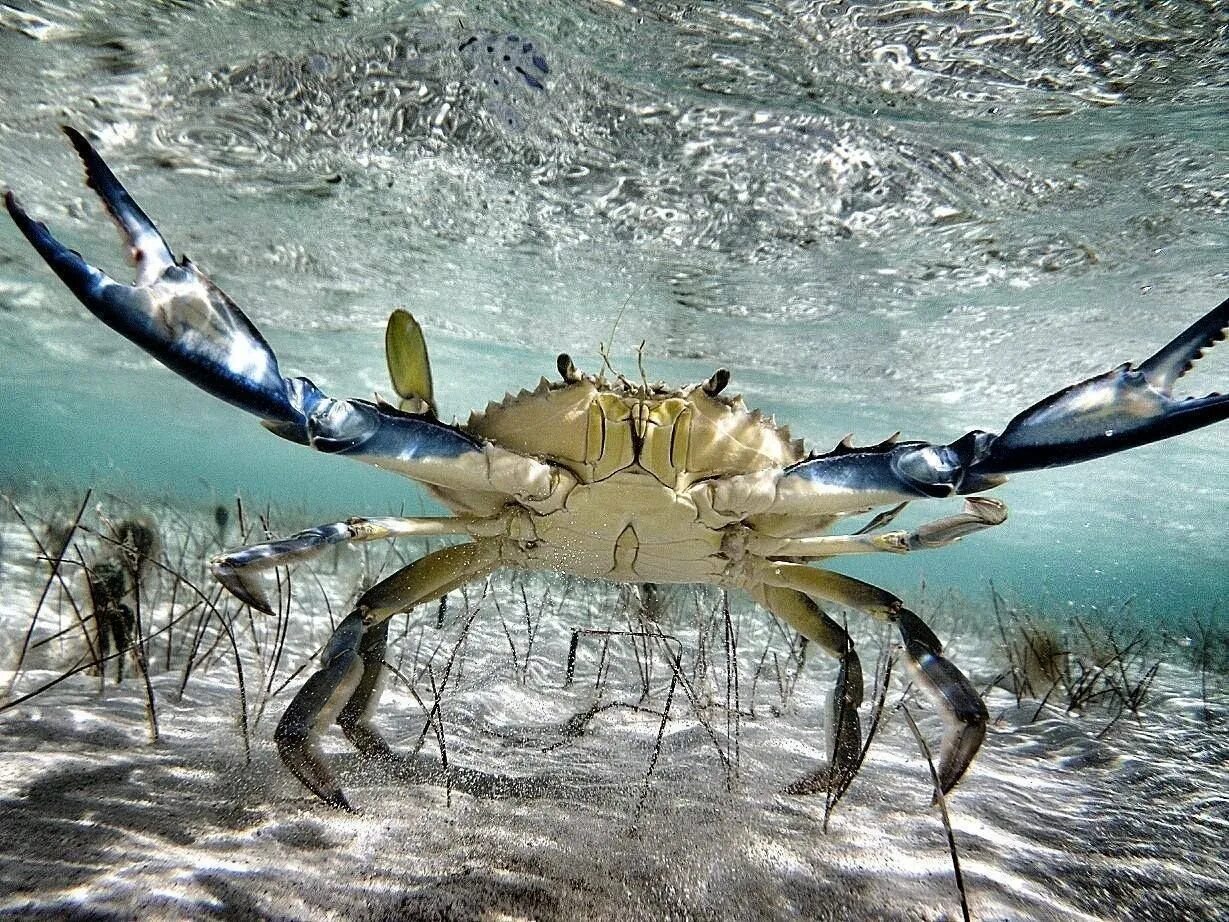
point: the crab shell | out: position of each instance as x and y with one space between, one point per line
635 452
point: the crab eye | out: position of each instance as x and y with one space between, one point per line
716 384
567 368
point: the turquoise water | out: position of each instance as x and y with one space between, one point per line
893 216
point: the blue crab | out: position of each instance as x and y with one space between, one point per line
611 480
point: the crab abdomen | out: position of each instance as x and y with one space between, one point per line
627 528
636 451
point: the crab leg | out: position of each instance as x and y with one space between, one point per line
409 366
179 316
844 730
347 686
962 707
236 569
979 512
1129 406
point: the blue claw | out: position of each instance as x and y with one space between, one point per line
172 311
176 314
1121 409
146 248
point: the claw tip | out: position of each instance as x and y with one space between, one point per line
85 150
74 135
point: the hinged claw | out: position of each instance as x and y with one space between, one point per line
172 311
179 316
1129 406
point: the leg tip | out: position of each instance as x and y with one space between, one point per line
337 800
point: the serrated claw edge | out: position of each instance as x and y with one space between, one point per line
1180 354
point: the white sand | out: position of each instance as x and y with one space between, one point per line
1051 822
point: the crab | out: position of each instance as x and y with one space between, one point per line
611 480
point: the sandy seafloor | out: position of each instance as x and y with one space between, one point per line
1061 817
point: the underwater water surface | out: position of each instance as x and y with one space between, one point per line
880 216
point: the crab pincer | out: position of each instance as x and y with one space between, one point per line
1129 406
179 316
172 310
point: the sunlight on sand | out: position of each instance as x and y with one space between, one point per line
583 801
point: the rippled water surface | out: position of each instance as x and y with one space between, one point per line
881 216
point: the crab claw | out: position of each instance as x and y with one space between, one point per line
172 310
1129 406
